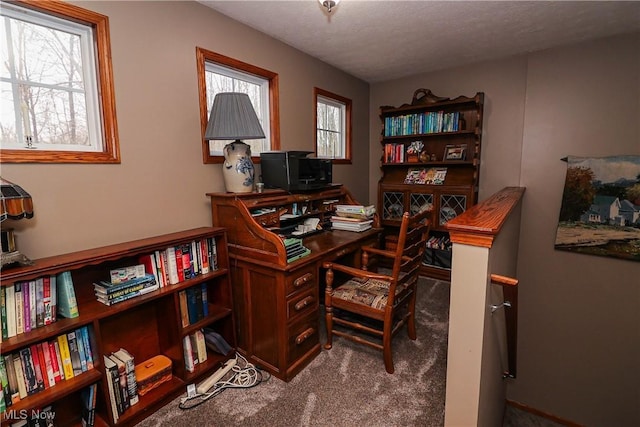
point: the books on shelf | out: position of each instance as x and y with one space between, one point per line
65 356
132 383
88 396
10 307
189 360
182 262
5 397
195 350
122 383
194 304
74 353
113 379
66 298
422 123
12 394
39 366
439 242
27 305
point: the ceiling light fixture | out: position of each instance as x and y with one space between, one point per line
329 4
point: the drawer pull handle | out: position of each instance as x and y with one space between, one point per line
302 280
304 303
303 336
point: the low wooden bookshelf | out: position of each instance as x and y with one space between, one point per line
146 326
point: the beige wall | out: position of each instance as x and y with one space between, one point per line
579 321
161 183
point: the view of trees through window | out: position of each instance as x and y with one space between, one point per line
48 95
329 129
333 126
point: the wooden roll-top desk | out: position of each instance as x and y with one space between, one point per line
276 301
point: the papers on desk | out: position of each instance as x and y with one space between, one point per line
350 224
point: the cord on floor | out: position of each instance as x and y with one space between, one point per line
242 375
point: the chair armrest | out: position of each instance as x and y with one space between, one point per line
377 251
356 271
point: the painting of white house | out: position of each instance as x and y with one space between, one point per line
600 212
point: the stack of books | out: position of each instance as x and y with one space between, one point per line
355 211
350 224
109 293
295 249
356 218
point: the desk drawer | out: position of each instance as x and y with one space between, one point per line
301 279
302 303
303 336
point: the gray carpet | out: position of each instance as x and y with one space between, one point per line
344 386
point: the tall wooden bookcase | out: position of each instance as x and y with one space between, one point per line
146 326
419 141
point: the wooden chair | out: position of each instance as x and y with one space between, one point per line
370 307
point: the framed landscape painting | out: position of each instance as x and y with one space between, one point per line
600 211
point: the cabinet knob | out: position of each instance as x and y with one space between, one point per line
304 303
304 336
302 280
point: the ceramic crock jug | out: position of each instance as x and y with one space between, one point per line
237 170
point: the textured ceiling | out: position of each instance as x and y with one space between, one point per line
383 40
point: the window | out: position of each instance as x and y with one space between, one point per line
333 126
56 86
218 73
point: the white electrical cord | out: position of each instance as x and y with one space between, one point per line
242 375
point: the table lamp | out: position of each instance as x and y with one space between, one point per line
15 204
233 117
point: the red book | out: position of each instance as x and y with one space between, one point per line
36 367
179 264
46 354
54 362
43 365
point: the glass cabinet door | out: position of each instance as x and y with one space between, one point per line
419 202
392 205
451 205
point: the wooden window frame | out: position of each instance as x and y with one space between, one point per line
203 55
347 130
111 147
